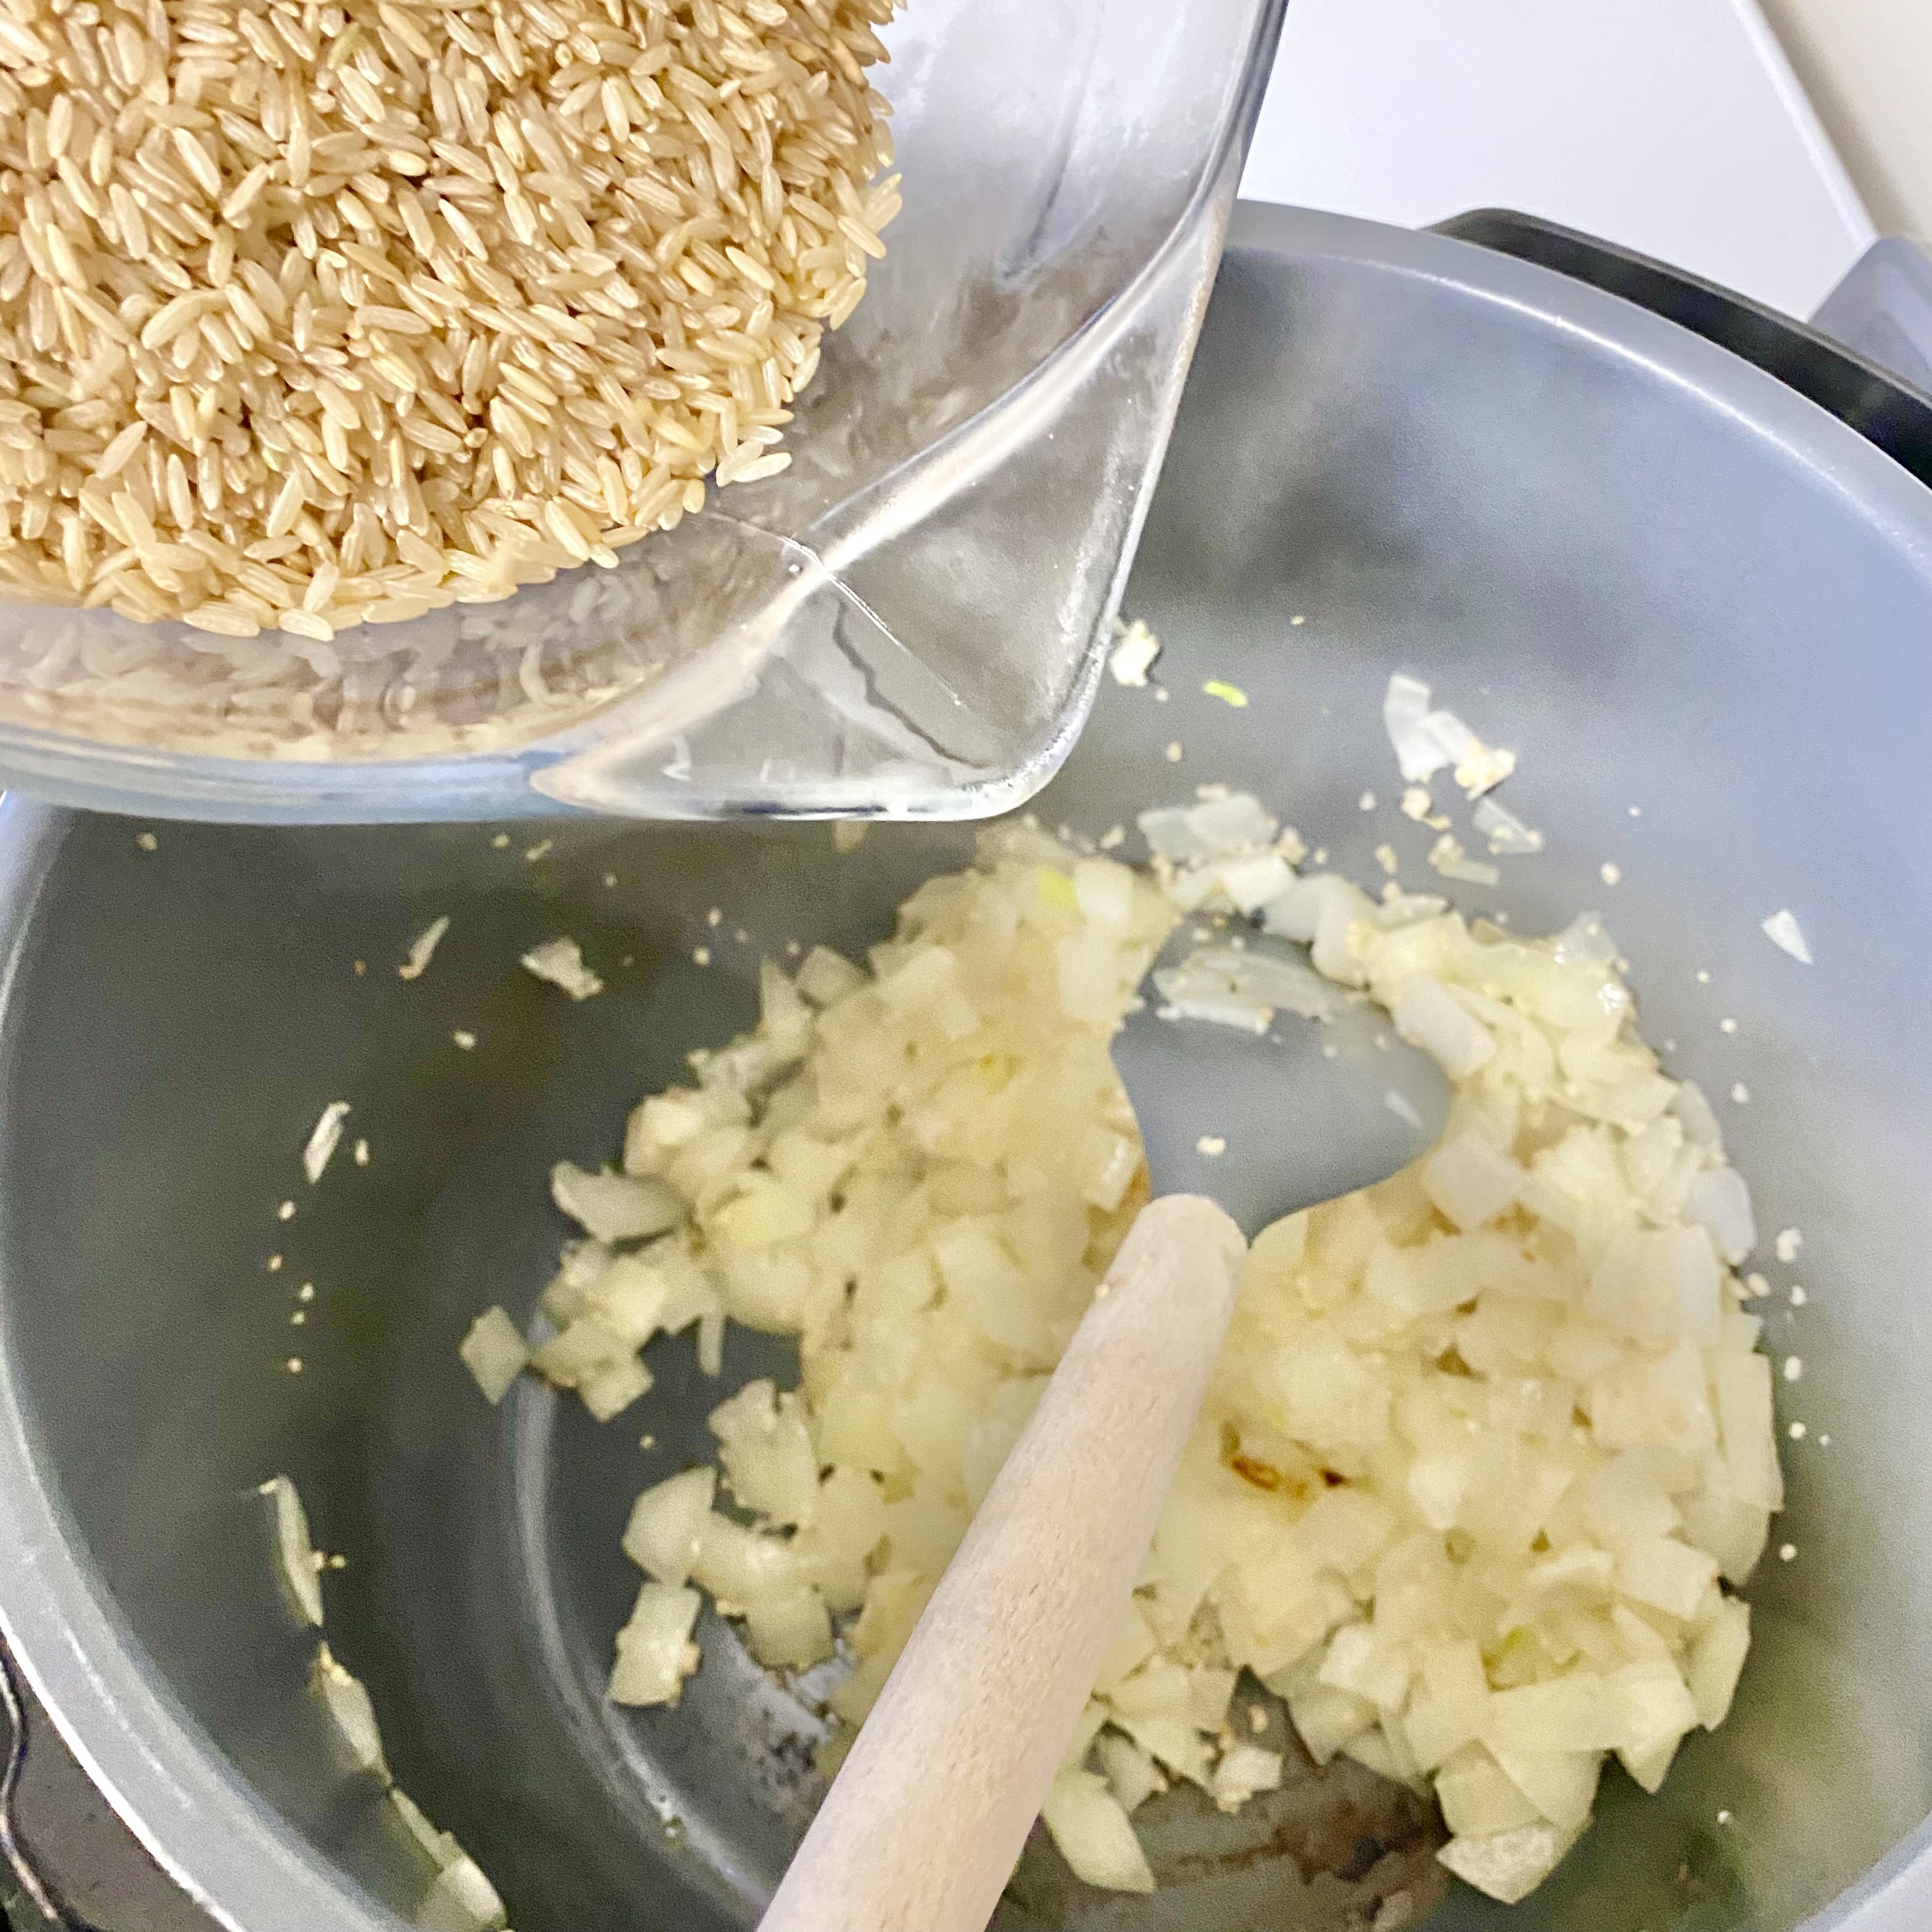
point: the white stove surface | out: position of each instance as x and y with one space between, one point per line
1673 126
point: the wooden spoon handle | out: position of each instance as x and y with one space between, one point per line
925 1822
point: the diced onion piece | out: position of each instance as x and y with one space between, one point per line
1511 1865
1132 1775
1243 1770
584 1349
1471 1179
1699 1123
1720 1201
494 1352
352 1712
1478 1798
1448 857
422 949
324 1139
1237 823
1718 1647
1784 932
1170 834
767 1454
611 1388
655 1651
1405 709
560 962
789 1628
1094 1834
1427 1015
438 1845
665 1523
1667 1574
616 1206
827 977
1507 834
461 1899
302 1570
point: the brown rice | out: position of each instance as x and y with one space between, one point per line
313 315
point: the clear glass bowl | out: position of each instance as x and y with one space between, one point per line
909 621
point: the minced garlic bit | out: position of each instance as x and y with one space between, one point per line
1610 872
542 849
1211 1144
463 1038
1789 1241
147 842
1175 753
701 955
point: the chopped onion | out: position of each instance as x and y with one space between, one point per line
1243 1770
616 1206
495 1353
1094 1834
461 1899
324 1139
1446 857
301 1569
666 1522
1784 932
347 1701
655 1651
1427 1015
561 962
1132 1775
1720 1201
766 1454
1405 709
1512 1386
1510 1865
1218 982
1507 833
825 977
440 1846
422 949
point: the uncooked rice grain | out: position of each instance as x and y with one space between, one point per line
313 316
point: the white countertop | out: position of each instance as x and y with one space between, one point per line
1674 126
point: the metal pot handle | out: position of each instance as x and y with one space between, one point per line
1884 409
34 1886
